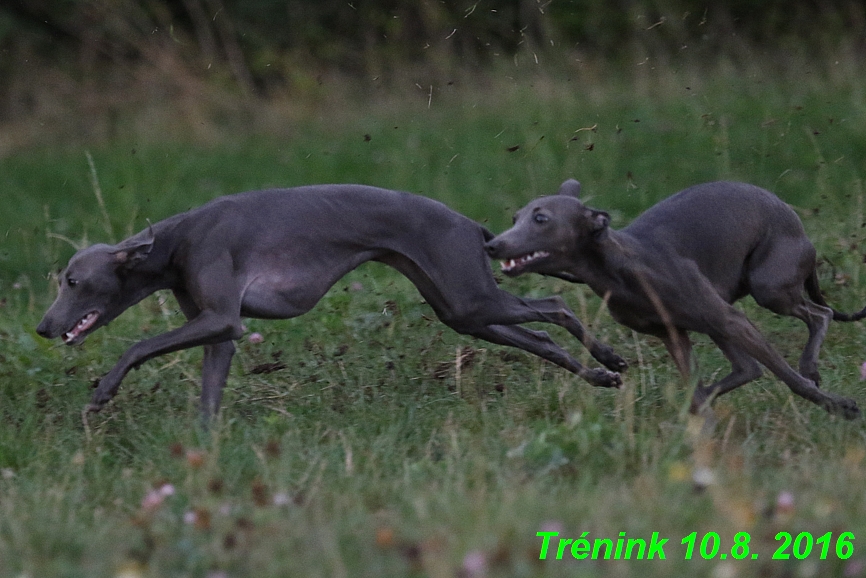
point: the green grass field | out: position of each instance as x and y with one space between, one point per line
366 438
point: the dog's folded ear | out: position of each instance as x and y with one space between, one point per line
134 250
600 222
570 188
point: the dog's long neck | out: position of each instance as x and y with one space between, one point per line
608 263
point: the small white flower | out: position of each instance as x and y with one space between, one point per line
703 476
475 564
152 500
785 502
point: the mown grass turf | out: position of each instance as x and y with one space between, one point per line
367 439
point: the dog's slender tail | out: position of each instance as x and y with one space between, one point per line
814 291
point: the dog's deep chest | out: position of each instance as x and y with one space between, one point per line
635 311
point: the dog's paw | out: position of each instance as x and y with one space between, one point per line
605 355
617 363
845 408
698 403
603 378
98 400
94 407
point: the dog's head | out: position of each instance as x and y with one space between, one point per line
548 233
93 289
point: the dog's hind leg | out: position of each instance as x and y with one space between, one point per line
472 304
540 344
817 318
777 282
735 328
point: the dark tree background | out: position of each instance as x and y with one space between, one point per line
355 36
107 53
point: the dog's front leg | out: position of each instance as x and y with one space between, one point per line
554 310
214 371
208 328
215 364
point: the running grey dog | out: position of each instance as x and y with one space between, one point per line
273 254
679 267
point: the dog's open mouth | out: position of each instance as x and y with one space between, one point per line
514 265
86 323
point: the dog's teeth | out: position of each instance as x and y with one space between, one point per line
83 325
510 264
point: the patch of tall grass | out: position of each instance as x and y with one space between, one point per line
365 438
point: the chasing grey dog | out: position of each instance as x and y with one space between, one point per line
679 267
273 254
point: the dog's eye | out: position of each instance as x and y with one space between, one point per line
540 218
72 282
